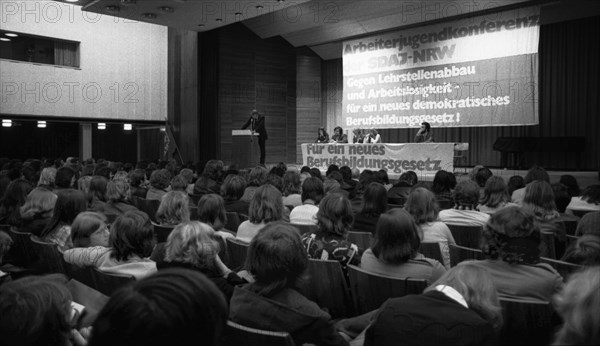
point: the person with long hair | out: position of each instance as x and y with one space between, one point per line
535 173
277 260
97 193
511 246
47 177
422 206
266 206
172 307
256 178
37 210
10 204
118 198
334 219
374 204
395 250
443 184
232 190
465 213
460 308
193 245
588 201
211 211
495 196
91 238
292 189
322 136
174 208
578 305
58 230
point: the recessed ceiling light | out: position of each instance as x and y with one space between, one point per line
101 126
127 127
41 124
11 34
167 9
6 123
4 39
150 15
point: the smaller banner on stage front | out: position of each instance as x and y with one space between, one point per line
423 158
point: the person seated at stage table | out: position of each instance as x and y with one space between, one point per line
374 204
465 213
322 136
533 174
495 196
395 250
358 136
232 191
460 308
511 246
372 136
266 206
338 136
312 193
424 134
588 201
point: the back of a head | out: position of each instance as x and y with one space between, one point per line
233 187
68 204
64 177
466 193
346 172
85 224
589 224
396 237
35 311
482 176
266 205
172 307
476 286
335 215
117 191
591 194
539 195
495 192
137 177
258 176
422 205
179 183
374 199
443 181
192 243
584 251
571 183
312 188
291 183
132 234
174 208
512 235
98 186
40 201
578 305
160 179
562 198
211 208
276 258
536 173
514 183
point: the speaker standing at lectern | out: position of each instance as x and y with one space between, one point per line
257 124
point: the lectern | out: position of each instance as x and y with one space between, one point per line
245 150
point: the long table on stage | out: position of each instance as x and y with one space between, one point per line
425 159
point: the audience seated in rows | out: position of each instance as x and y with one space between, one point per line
193 245
422 206
395 251
312 194
334 220
511 245
464 213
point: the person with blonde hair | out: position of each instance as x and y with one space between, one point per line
173 209
90 236
578 305
37 210
192 245
47 177
266 206
495 196
117 195
460 308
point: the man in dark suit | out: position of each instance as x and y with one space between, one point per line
257 124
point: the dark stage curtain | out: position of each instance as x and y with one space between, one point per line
569 93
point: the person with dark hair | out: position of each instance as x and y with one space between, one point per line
10 204
588 201
495 196
312 193
422 206
171 307
424 134
347 176
256 122
304 169
211 211
395 250
584 251
65 178
276 181
179 183
481 177
442 186
374 204
292 189
334 219
277 260
338 136
193 245
131 243
96 197
511 245
322 136
589 224
562 198
465 213
365 178
137 180
514 183
381 176
460 308
91 238
533 174
316 173
399 192
159 182
58 230
571 183
257 178
36 311
266 206
232 191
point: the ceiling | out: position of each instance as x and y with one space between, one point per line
321 25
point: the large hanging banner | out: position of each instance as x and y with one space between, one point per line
480 71
425 159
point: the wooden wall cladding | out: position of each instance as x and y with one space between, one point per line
308 98
261 74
